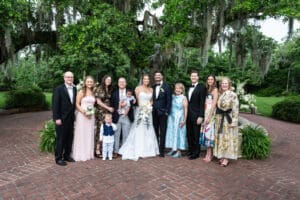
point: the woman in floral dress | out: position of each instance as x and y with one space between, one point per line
103 97
207 133
226 140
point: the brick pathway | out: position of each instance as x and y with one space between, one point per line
25 173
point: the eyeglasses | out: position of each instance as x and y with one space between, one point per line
68 76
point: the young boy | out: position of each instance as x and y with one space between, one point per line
125 104
107 131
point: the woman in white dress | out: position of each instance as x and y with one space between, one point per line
142 141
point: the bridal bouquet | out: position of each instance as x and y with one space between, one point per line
144 114
90 110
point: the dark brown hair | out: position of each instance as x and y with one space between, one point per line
211 88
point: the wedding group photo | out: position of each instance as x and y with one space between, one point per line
149 99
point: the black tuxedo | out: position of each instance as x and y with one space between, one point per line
115 100
63 109
195 110
161 110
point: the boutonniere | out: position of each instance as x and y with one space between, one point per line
162 89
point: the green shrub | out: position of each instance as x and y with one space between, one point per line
269 91
255 143
47 137
29 98
288 109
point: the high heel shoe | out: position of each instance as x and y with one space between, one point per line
177 155
171 153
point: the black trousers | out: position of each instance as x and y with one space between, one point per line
64 139
193 136
160 127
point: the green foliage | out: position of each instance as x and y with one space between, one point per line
2 99
255 143
98 44
47 137
264 104
269 91
27 98
288 109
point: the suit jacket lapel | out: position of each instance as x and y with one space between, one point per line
160 89
193 93
67 93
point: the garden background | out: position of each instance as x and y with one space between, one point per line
41 39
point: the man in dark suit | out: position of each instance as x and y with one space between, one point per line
63 107
162 99
120 118
196 97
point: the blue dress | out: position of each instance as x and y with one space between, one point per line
176 136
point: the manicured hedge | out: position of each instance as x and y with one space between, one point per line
288 109
29 98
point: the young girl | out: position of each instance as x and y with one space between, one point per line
176 130
207 133
107 132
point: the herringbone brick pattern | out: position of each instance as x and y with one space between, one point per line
25 173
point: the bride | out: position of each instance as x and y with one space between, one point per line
141 141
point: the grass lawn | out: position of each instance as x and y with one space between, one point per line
2 99
264 104
48 99
47 94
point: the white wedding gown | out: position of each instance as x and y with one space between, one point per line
141 141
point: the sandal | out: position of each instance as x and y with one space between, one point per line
225 163
98 154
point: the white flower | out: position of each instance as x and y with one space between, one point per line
144 114
79 85
90 110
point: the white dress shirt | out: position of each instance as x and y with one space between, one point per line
191 90
157 89
70 91
107 138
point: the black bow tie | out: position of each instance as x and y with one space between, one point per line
157 84
192 86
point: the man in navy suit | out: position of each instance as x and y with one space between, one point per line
196 100
162 99
63 108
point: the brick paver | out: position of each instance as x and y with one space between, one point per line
25 173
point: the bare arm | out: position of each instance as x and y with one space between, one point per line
215 95
78 102
185 106
103 105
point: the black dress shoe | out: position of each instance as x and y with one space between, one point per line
193 157
189 154
69 159
161 155
61 163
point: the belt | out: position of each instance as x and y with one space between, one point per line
224 113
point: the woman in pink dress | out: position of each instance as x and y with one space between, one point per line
83 144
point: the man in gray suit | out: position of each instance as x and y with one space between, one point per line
120 118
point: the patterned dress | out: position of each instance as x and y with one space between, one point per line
105 97
176 136
207 133
226 140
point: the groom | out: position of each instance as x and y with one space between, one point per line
196 97
162 97
122 119
63 108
